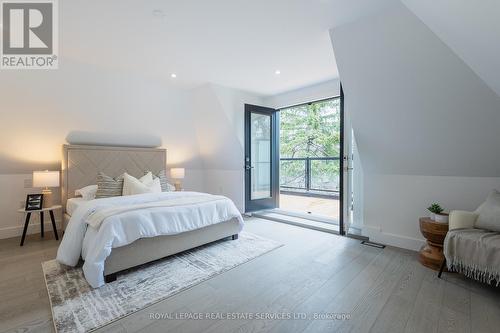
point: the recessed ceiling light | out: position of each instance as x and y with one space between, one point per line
173 75
277 72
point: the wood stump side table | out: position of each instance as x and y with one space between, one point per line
431 254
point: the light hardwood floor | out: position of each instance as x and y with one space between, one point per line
382 290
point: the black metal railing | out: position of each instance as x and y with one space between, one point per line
310 174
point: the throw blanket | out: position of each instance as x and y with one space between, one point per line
120 221
474 253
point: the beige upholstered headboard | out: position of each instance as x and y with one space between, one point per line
81 164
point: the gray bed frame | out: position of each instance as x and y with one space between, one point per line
80 166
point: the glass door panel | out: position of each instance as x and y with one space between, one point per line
261 158
260 139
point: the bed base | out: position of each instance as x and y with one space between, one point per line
112 277
146 250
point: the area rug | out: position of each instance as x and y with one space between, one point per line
77 307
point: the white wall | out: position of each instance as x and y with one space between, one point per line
202 129
426 125
412 100
39 108
393 203
219 120
357 186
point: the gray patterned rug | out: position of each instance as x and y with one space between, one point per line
77 307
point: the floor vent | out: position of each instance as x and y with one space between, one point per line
377 245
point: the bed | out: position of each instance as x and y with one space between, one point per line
80 166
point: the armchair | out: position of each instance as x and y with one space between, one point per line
470 249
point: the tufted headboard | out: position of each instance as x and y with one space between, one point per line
81 164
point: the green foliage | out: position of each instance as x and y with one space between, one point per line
435 208
311 130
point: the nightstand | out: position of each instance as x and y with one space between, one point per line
41 212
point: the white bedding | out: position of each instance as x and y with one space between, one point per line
73 203
123 228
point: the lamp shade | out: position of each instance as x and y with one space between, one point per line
177 173
45 178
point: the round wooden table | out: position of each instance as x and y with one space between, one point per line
431 254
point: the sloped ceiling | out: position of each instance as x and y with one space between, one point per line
470 28
417 108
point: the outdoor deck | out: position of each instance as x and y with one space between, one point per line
318 206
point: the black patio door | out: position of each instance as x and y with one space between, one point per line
261 158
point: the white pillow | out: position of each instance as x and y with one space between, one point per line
489 213
147 180
146 184
87 193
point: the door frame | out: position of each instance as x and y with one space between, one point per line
342 164
273 201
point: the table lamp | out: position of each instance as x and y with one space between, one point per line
177 174
46 179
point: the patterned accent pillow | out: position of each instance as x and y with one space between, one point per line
165 185
108 187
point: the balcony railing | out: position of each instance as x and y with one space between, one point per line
309 175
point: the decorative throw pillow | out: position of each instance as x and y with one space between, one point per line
129 182
87 193
165 185
489 213
145 184
108 186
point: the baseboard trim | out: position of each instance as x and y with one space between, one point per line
33 228
376 235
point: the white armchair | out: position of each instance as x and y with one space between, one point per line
459 219
472 244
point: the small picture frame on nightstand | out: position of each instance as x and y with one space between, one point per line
34 202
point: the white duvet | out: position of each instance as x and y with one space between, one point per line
123 220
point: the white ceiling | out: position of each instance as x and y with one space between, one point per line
234 43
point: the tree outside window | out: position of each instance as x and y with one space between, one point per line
310 130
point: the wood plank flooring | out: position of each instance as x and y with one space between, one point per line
314 273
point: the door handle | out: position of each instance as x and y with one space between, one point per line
248 167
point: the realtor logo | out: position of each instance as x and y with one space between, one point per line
29 34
